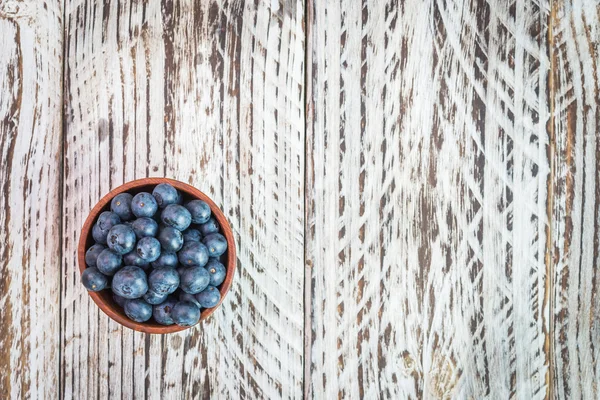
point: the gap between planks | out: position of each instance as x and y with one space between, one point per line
549 286
307 268
63 128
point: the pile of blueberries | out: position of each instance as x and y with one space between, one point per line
160 257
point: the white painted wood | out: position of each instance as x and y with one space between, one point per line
450 196
427 186
576 206
30 181
209 93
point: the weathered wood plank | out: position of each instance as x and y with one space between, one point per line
576 204
30 180
426 199
210 93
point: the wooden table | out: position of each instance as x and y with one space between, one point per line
413 187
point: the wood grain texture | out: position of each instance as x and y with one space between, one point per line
427 170
30 181
434 233
209 93
576 247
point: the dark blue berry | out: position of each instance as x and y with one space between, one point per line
165 194
107 220
144 205
185 313
199 210
154 298
109 262
211 226
130 282
194 280
138 310
148 249
119 300
217 271
121 205
163 280
132 258
193 253
192 235
162 311
170 239
183 296
166 259
98 234
121 239
176 216
144 227
209 297
216 244
93 279
91 255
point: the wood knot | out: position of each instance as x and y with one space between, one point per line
409 363
15 9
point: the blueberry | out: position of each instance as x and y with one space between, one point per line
180 271
176 216
165 194
192 235
109 262
179 198
132 258
216 244
163 280
199 210
121 205
217 271
185 314
166 259
154 298
162 311
107 220
144 205
144 227
130 282
99 235
91 255
138 310
121 239
119 300
212 226
170 238
148 249
209 297
193 253
183 296
194 280
93 279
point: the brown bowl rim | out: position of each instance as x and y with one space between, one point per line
86 233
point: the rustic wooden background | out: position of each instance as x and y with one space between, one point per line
413 187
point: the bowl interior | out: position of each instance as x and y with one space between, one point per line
104 298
